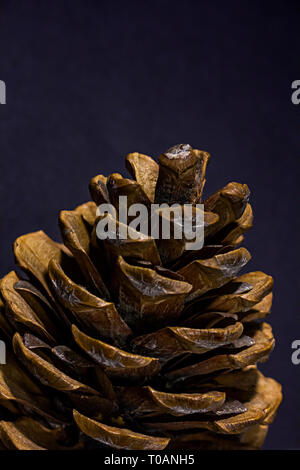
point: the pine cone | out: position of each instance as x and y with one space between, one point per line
138 343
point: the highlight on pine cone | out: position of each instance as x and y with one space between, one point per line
138 343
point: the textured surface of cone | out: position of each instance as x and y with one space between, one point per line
138 343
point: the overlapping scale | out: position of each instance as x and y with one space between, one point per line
212 273
118 438
21 316
136 245
258 352
29 434
146 298
76 237
145 171
138 401
115 361
96 314
173 341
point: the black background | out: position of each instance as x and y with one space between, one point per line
89 81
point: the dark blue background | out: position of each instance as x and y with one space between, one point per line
88 81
